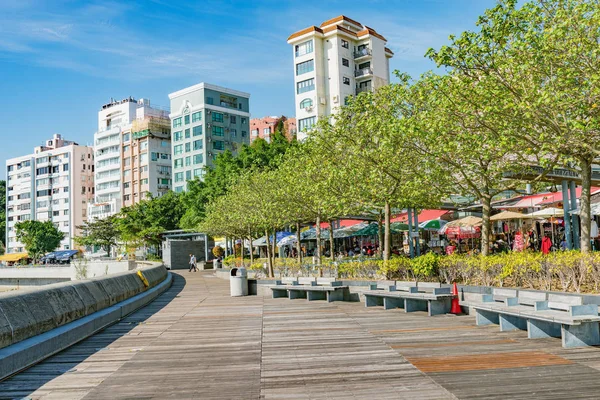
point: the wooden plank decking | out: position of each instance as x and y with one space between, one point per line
197 342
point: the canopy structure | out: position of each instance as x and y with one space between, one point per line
547 213
595 208
373 229
12 257
286 241
432 225
464 228
64 255
506 215
469 221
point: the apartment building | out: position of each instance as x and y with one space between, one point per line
206 120
133 155
54 184
338 59
265 127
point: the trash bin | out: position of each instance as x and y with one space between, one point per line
238 282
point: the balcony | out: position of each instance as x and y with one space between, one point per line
363 89
366 52
363 73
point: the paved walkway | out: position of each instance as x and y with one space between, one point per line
197 342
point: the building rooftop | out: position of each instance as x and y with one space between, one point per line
340 24
204 85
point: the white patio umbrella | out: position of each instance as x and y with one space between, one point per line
547 213
286 241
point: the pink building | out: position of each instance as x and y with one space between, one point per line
265 127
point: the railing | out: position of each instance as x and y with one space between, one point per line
362 53
363 89
363 72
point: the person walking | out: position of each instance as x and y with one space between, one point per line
193 263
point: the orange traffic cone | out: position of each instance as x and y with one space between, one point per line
455 309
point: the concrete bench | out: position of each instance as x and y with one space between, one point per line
543 315
438 301
334 291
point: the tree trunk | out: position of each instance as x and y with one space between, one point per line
318 251
242 252
380 235
584 203
387 241
251 252
269 261
485 224
331 242
274 244
298 246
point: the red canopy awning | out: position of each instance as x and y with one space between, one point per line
424 215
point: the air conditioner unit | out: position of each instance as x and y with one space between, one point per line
323 100
209 139
336 99
209 125
210 153
208 112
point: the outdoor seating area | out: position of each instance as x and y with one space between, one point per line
311 289
434 300
541 314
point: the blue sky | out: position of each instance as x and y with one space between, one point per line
61 60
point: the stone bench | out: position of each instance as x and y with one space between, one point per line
543 315
437 301
332 291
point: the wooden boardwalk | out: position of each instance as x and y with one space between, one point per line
197 342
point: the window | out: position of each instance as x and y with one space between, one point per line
187 133
65 212
345 62
179 177
305 67
178 189
233 119
306 103
164 143
144 158
254 132
125 149
188 147
126 185
217 117
66 189
178 149
346 80
177 136
125 137
197 172
197 116
177 122
127 197
217 130
219 145
178 163
305 86
144 145
345 44
186 119
243 120
304 48
346 100
233 133
197 144
209 100
126 173
306 123
244 133
197 130
267 131
188 161
154 156
65 167
144 181
198 159
188 175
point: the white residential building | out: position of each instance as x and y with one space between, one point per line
133 155
52 184
337 59
207 120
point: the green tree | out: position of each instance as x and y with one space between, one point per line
103 233
38 237
545 57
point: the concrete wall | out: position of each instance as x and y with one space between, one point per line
30 313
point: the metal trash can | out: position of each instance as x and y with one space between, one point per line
238 282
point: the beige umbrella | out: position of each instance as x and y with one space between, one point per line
547 213
463 222
504 215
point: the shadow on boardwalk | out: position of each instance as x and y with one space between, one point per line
65 362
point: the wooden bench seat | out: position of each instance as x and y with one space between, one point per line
438 301
542 315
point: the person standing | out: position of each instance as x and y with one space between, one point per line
193 263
